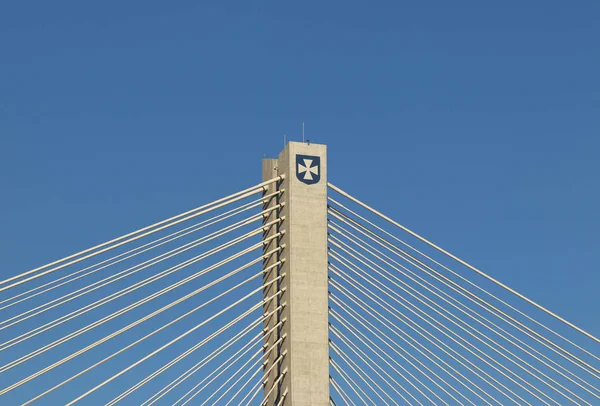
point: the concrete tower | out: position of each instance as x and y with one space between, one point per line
305 330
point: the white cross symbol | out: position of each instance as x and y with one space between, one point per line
308 169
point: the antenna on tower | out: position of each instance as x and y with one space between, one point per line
303 131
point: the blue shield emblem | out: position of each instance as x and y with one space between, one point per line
308 169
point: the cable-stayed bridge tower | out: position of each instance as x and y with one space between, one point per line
289 292
304 369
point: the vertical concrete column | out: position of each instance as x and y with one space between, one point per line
269 171
306 364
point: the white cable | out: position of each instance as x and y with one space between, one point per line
459 306
459 289
354 268
182 356
185 354
265 351
386 342
471 267
257 390
147 379
352 366
200 364
128 327
357 285
223 367
197 212
134 252
276 343
351 383
370 311
220 370
179 358
422 353
128 308
281 400
259 383
475 286
379 353
449 319
256 372
241 352
427 368
341 392
380 302
370 362
122 292
470 316
460 337
473 297
127 272
275 384
470 333
95 388
146 318
131 288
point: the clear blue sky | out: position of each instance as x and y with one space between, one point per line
476 125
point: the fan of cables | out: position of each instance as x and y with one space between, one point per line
411 323
172 313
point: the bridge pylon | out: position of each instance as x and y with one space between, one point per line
301 378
